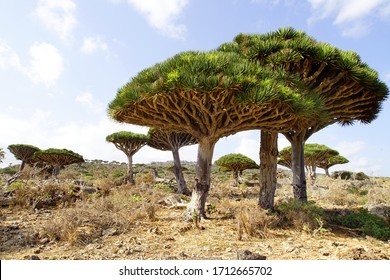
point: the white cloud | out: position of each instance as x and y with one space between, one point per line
58 16
8 57
351 15
87 98
349 149
46 64
162 14
93 44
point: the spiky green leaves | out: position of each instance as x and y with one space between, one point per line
236 162
23 152
57 157
128 142
350 89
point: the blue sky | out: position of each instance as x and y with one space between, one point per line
62 61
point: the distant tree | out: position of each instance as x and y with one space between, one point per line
172 141
331 161
57 158
236 163
23 152
314 154
129 143
2 155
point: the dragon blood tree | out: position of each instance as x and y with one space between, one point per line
129 143
172 141
315 154
23 152
236 163
57 158
331 161
351 90
208 95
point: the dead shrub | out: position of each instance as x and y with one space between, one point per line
254 222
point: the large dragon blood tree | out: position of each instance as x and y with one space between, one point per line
57 158
350 89
208 95
129 143
172 141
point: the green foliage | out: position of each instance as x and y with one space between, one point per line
163 187
345 175
300 215
58 156
292 49
370 224
2 155
357 191
22 151
9 170
236 162
361 176
123 136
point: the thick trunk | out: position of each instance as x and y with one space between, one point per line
268 168
181 183
202 180
327 172
236 182
130 175
298 168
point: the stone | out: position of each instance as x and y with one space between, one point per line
248 255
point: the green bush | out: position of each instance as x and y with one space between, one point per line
370 224
299 215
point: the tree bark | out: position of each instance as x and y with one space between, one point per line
298 167
180 181
202 180
236 181
268 168
327 172
130 174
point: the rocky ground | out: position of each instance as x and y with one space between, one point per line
27 233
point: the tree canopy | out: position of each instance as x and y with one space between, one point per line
209 95
58 157
236 163
331 161
129 143
349 89
23 152
316 155
166 140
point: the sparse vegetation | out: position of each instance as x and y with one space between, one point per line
72 217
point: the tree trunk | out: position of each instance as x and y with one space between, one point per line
180 181
236 182
268 168
327 172
197 205
130 175
298 167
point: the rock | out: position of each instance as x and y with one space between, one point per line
248 255
109 232
381 210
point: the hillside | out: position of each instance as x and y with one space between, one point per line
89 214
